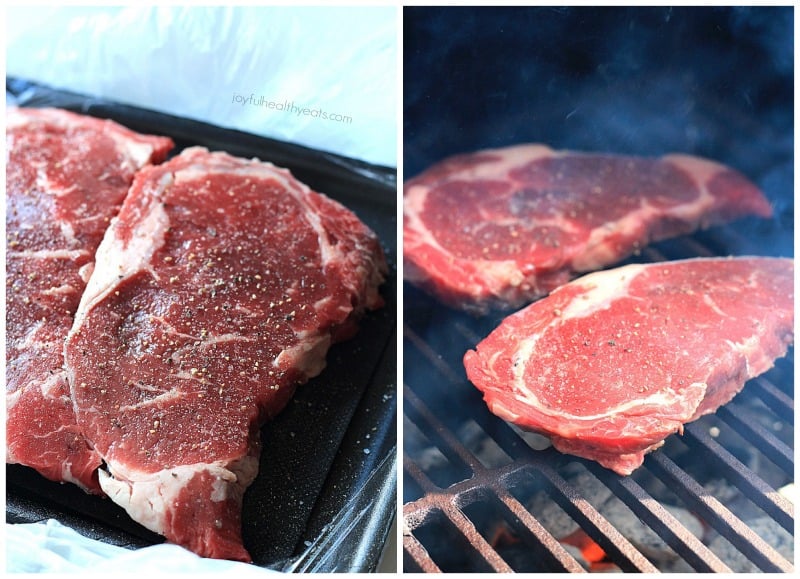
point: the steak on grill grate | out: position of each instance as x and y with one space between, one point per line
66 177
218 289
612 363
499 228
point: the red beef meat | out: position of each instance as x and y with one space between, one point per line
217 290
66 177
612 363
500 228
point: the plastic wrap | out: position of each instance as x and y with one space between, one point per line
344 544
318 76
50 547
325 496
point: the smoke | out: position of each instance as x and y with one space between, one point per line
648 80
715 82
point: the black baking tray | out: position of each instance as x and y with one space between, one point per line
324 498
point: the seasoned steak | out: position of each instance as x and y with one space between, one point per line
500 228
217 290
612 363
66 177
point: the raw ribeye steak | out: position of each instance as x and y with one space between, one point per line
66 177
218 288
500 228
612 363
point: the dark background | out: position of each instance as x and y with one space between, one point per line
714 82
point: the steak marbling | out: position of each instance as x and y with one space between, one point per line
612 363
500 228
66 177
218 289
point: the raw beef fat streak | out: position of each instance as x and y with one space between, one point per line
612 363
218 289
502 227
66 177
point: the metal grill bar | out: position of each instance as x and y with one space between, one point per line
445 506
430 354
661 520
596 526
411 468
603 532
644 506
439 434
415 557
768 443
441 509
779 402
748 482
695 553
533 533
719 517
480 549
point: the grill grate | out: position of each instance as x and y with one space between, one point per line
480 495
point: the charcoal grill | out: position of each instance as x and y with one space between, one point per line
478 494
469 477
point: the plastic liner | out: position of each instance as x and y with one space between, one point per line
368 513
50 547
252 68
327 475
